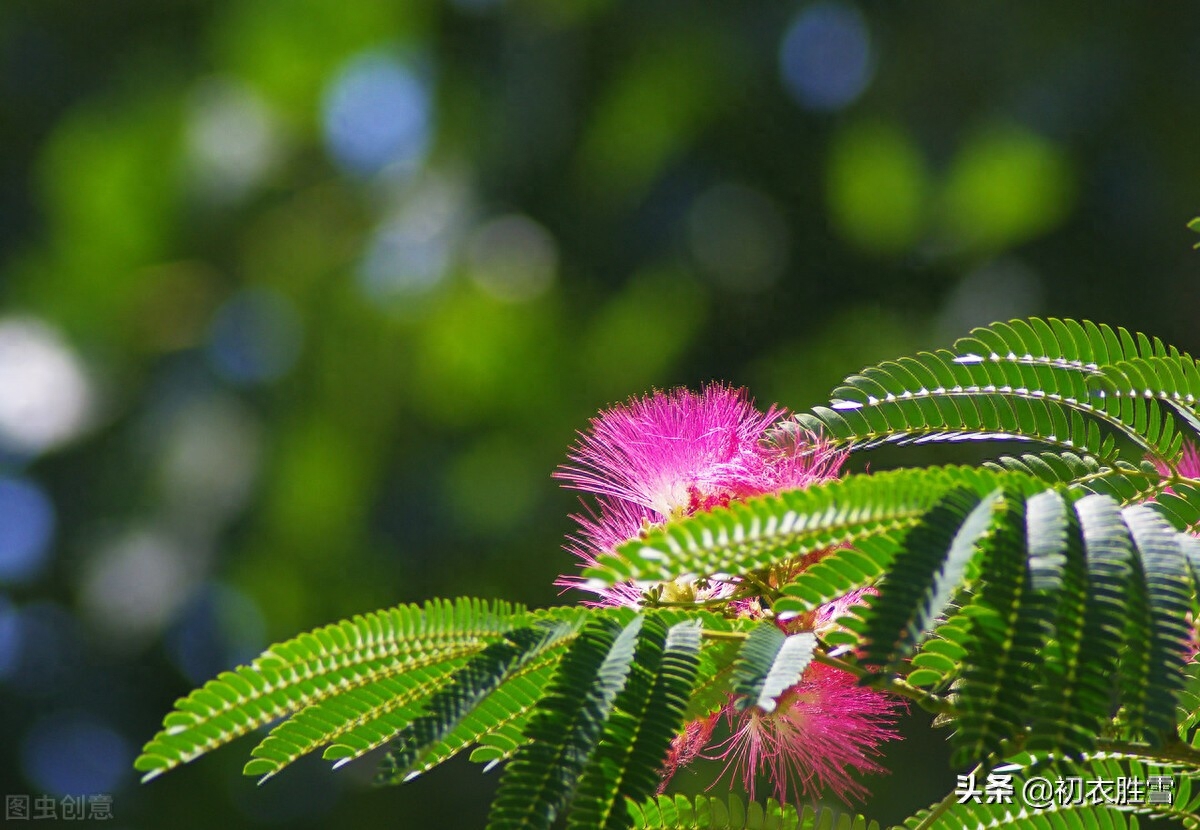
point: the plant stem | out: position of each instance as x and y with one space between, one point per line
928 702
1175 754
701 603
943 805
712 634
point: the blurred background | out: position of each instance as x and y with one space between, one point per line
303 302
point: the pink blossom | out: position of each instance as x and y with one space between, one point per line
1188 465
822 731
674 452
687 746
670 454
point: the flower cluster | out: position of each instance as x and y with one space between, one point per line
669 455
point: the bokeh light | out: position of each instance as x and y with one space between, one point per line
409 252
255 337
233 141
10 637
738 237
27 524
133 585
825 58
1007 185
211 453
512 258
378 112
877 187
73 754
47 397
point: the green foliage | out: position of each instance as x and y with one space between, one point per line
762 532
1056 382
646 715
706 813
540 780
1040 603
1092 807
768 663
414 646
467 688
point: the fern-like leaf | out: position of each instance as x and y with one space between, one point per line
1006 633
1125 482
1058 571
707 813
468 688
1110 567
646 715
925 574
1055 382
541 778
1169 592
844 570
769 662
771 530
323 664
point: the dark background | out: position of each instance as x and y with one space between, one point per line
303 302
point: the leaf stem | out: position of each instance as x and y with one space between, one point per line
713 634
698 603
943 805
927 701
1174 754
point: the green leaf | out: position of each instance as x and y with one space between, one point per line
769 663
646 715
1169 593
1036 380
1058 571
466 691
772 530
925 574
1006 635
566 726
323 664
839 573
1109 551
707 813
1125 482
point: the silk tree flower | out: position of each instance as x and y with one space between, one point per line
823 731
1188 466
670 454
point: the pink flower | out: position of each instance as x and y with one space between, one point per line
822 731
1187 466
687 746
670 454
